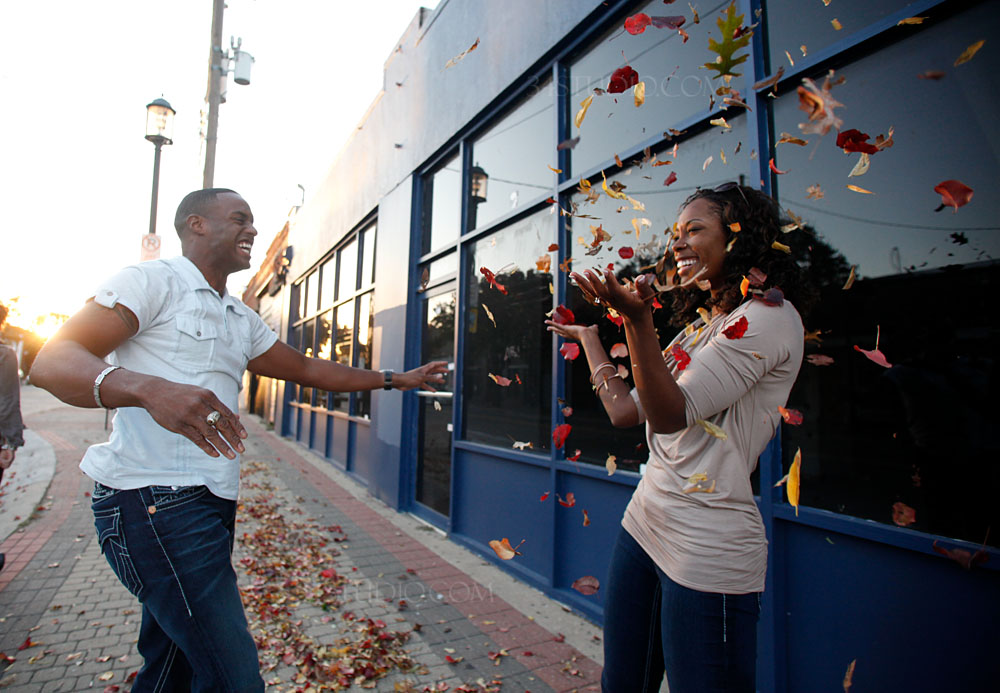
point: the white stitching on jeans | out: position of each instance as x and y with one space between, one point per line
723 618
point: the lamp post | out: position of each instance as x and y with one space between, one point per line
159 130
478 178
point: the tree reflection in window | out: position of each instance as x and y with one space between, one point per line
342 345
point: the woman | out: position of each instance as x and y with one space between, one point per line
683 588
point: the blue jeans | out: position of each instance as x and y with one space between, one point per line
705 641
171 547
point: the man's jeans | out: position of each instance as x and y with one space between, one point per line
706 641
171 547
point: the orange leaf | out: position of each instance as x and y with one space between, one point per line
544 263
587 585
849 675
794 476
500 380
954 193
610 464
969 52
774 168
569 501
586 519
792 417
504 550
619 351
903 515
856 189
454 61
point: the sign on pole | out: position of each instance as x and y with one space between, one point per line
150 247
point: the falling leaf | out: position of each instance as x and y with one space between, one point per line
544 497
610 464
544 263
770 164
563 315
954 193
850 279
744 286
818 103
836 24
777 245
559 434
500 380
614 191
626 252
621 79
570 350
619 351
582 113
964 558
903 515
737 329
639 94
569 501
553 247
794 479
734 37
681 357
587 585
792 417
674 23
814 192
707 162
460 56
735 227
568 143
854 140
425 278
875 355
969 52
575 456
586 519
721 122
518 445
504 550
637 23
935 75
860 168
698 483
554 170
772 81
856 189
672 178
622 371
849 675
492 280
819 360
911 20
489 314
712 429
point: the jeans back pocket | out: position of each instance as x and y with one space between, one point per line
111 537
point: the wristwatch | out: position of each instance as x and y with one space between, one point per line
387 374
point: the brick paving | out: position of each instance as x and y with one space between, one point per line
58 591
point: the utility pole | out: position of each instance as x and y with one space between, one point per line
214 97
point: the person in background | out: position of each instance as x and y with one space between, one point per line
11 425
682 594
166 482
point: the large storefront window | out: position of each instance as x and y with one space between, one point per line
677 86
442 205
911 442
505 336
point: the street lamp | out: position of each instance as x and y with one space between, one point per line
159 130
477 193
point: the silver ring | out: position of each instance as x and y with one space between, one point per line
213 418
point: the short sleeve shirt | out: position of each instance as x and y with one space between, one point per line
188 334
693 511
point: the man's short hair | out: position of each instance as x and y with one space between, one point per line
194 203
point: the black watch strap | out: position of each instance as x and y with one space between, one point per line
387 385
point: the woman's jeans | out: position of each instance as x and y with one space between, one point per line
171 547
705 641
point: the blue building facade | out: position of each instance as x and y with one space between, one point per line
446 226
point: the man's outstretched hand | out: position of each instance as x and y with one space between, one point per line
421 377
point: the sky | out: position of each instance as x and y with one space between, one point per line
76 172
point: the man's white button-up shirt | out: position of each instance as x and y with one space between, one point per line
187 334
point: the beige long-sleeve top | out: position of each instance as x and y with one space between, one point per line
693 511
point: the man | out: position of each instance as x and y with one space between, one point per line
166 482
11 426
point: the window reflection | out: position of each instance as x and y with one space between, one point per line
348 278
515 155
324 348
442 205
342 344
308 334
366 325
915 434
677 86
434 463
328 272
518 347
438 341
368 256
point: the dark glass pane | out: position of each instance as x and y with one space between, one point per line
368 256
308 334
434 463
677 87
438 340
328 272
513 156
442 205
295 309
366 325
348 262
324 348
342 343
518 346
592 431
794 24
873 436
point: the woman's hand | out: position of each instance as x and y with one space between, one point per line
577 333
631 303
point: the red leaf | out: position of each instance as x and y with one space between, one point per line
903 515
964 558
667 22
621 79
500 380
637 23
681 357
672 178
328 573
625 252
617 319
492 280
954 193
559 434
563 316
775 168
586 518
567 411
792 417
575 456
619 351
553 247
587 585
559 637
28 642
875 355
569 502
855 141
737 329
819 359
544 497
570 350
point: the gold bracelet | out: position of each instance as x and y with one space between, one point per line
597 388
606 364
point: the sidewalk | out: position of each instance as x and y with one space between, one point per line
341 591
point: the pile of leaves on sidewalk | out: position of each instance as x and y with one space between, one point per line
291 565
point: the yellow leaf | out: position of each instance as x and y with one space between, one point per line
609 191
789 56
721 122
712 429
697 336
860 168
610 464
782 247
555 170
722 155
636 205
744 286
856 189
454 61
969 52
639 93
850 279
849 676
836 24
705 315
791 139
794 476
489 314
582 113
911 20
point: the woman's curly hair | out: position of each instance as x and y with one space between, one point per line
760 222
